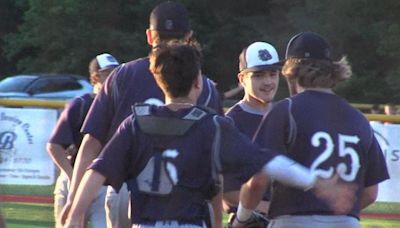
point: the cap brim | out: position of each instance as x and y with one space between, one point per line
108 67
275 66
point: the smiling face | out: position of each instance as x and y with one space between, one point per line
260 87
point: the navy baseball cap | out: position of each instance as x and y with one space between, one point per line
170 18
308 45
259 56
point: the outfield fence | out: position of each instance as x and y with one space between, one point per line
61 103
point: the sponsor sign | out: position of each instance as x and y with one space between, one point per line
388 136
24 133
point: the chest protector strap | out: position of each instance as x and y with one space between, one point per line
155 125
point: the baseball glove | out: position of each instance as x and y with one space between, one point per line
257 220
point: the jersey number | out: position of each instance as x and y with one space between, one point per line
160 175
347 173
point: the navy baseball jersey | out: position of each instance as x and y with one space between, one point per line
170 162
323 132
127 85
247 120
67 130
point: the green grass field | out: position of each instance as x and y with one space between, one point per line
29 215
21 215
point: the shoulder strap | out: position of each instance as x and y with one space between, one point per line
210 92
216 148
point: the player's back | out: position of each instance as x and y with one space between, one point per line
175 158
326 134
67 130
129 84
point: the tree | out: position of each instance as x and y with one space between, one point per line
62 36
11 12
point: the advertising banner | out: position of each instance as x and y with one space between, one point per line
388 136
24 133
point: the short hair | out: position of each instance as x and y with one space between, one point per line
312 73
175 67
93 66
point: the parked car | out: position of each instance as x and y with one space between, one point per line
44 86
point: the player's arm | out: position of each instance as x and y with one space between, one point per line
60 157
340 197
92 181
217 209
369 196
253 190
89 150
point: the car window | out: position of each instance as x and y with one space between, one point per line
15 84
48 84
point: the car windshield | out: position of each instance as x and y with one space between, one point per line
15 84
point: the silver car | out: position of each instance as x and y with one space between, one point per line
44 86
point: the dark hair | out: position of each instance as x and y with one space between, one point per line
175 68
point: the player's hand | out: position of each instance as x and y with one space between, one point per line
65 213
257 220
340 196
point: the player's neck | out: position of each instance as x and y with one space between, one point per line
177 103
318 89
96 88
256 104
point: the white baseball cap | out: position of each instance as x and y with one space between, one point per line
106 61
259 56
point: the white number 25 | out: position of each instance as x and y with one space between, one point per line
345 172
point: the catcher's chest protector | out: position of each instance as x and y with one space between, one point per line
160 175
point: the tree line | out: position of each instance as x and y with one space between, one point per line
62 36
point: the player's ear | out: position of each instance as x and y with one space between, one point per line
198 82
188 36
240 77
94 78
149 37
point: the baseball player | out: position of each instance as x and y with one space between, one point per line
129 84
259 69
322 131
66 138
171 155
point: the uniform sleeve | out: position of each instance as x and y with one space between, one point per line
63 133
114 162
239 156
376 165
273 130
210 96
101 112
